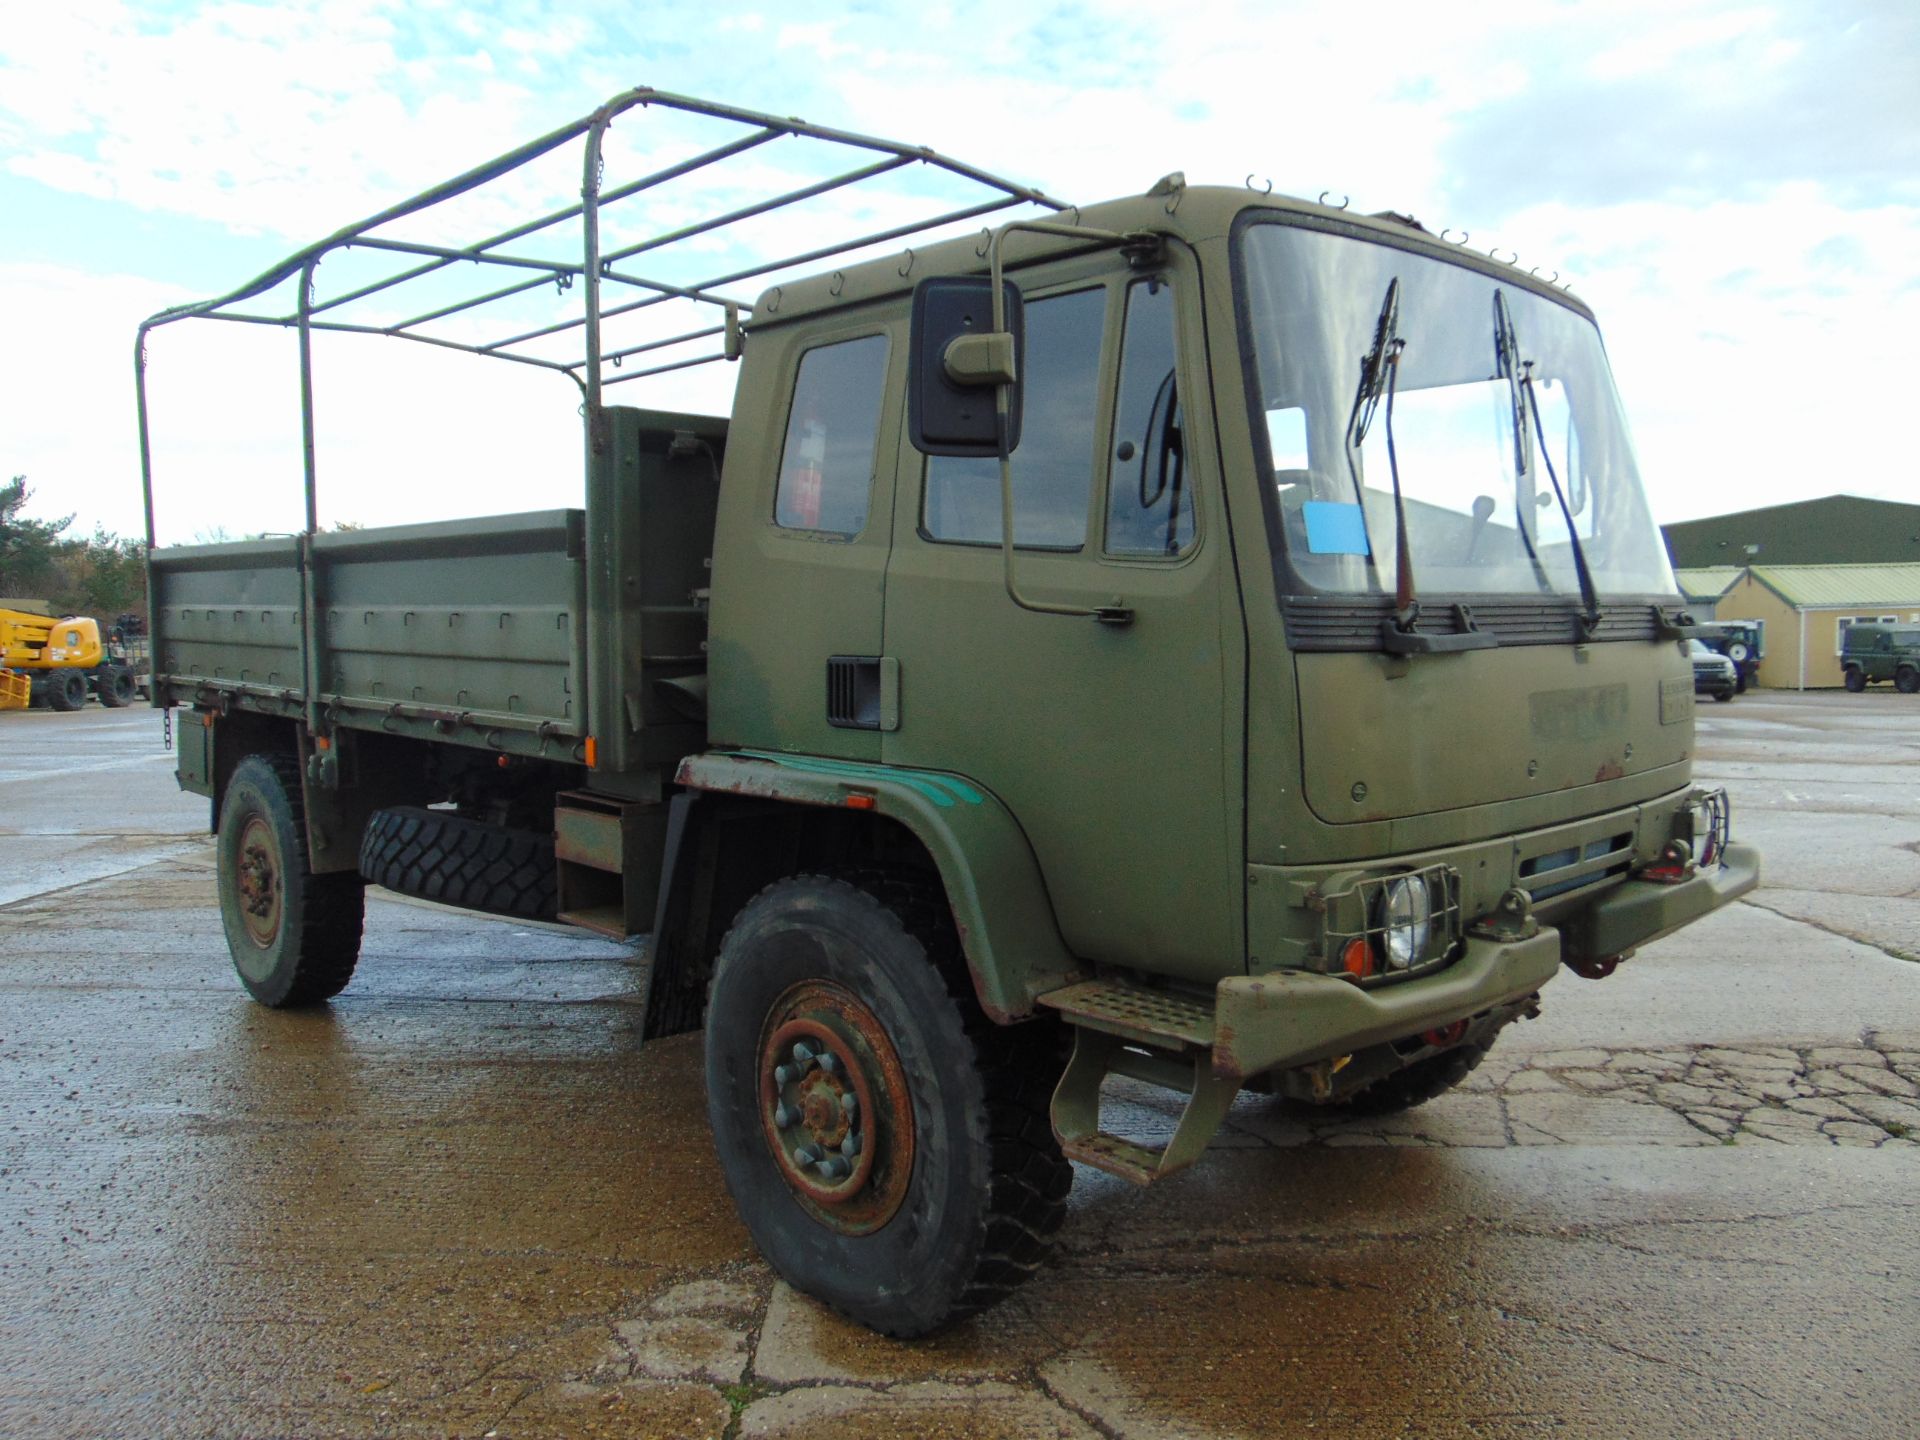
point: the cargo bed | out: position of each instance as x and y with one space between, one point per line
467 631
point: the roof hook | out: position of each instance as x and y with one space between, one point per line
1173 186
1447 235
1513 257
1344 200
1267 191
906 263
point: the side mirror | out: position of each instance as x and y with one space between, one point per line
957 364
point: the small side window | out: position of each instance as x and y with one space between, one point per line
1149 498
826 465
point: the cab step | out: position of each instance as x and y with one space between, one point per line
1150 1035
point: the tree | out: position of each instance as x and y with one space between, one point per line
105 575
28 548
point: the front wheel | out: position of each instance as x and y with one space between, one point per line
887 1145
1856 679
66 689
1907 680
294 935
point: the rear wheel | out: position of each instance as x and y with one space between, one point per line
1856 679
66 689
886 1144
294 935
114 685
1906 680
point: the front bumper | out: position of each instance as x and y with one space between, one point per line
1285 1019
1639 912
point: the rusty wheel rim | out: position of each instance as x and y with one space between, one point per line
258 879
834 1107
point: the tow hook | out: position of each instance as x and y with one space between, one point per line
1596 967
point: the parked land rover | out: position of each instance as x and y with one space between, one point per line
1870 653
1205 637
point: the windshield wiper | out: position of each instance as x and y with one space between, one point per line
1379 375
1506 355
1379 371
1519 373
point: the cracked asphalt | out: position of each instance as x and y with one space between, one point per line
462 1200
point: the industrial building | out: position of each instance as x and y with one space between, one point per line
1832 530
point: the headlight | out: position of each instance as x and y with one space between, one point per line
1406 915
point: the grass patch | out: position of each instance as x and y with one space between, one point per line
738 1396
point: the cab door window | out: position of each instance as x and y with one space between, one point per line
1150 502
1053 463
826 465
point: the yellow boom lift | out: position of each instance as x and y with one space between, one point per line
58 660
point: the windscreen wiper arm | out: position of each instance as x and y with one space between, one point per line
1379 371
1506 355
1379 375
1519 373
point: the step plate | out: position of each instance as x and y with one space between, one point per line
1152 1017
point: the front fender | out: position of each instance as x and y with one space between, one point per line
999 899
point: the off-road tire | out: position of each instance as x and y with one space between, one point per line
988 1185
316 942
1723 696
66 689
114 685
1855 679
436 855
1906 680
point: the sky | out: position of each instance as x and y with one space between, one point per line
1734 188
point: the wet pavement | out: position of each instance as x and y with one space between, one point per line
462 1200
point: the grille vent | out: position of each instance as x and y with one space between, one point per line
853 692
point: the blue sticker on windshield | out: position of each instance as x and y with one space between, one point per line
1334 528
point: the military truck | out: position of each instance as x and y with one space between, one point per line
1870 653
1207 638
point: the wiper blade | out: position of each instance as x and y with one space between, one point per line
1519 373
1506 359
1379 372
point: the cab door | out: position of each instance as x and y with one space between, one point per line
800 548
1112 744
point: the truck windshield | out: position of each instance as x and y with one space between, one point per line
1481 515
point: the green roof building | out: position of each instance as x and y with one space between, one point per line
1835 530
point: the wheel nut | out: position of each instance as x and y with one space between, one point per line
851 1145
850 1104
829 1061
834 1168
808 1154
783 1117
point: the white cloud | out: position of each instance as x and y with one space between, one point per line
1742 218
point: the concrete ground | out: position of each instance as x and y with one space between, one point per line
462 1200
